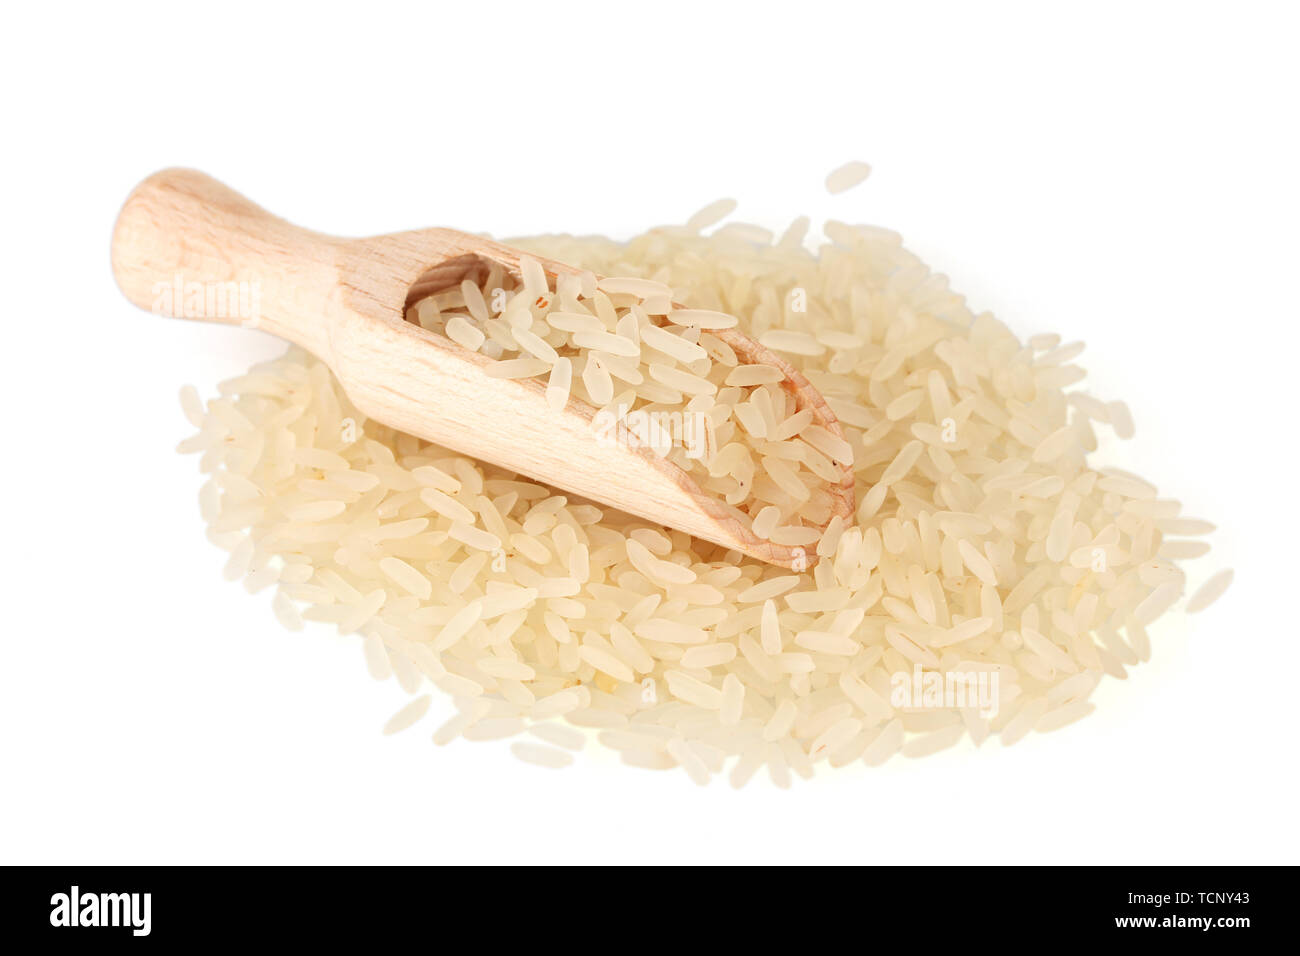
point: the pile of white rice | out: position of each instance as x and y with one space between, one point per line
988 581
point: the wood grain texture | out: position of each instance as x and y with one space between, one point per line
344 301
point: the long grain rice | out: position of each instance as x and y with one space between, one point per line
983 540
847 176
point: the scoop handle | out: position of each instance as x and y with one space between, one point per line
188 246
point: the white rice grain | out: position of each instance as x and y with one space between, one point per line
1210 591
541 755
409 715
847 176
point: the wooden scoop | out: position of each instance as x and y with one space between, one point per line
345 301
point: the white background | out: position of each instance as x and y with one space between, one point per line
1121 173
